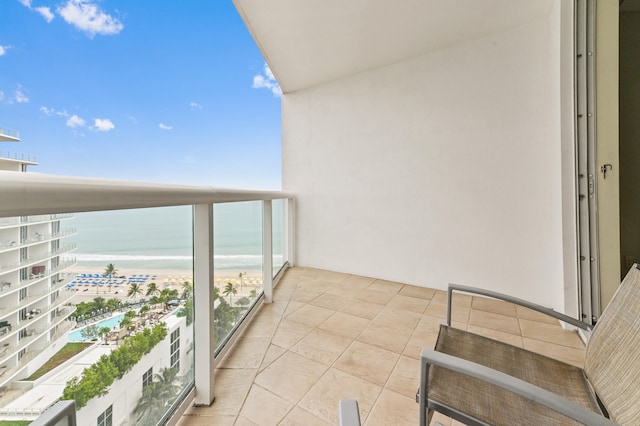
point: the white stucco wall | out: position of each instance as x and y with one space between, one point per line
442 168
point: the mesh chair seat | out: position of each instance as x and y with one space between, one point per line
492 405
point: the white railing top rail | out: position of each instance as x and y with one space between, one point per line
26 194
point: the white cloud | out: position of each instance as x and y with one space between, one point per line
3 49
52 111
133 119
45 12
164 126
267 81
1 95
195 105
86 16
268 73
103 125
75 121
21 98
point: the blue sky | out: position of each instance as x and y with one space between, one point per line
164 90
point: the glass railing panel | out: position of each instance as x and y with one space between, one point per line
278 219
237 263
123 293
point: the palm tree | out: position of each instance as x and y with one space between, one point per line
230 289
134 290
187 290
166 295
144 310
103 332
186 311
241 275
99 303
156 396
125 323
113 304
110 271
152 289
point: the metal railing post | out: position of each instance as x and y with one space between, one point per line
267 251
289 231
204 344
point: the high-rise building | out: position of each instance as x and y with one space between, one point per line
34 298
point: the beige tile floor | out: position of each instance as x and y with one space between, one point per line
330 336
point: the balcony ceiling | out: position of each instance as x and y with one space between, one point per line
309 42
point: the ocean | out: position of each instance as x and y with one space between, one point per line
161 238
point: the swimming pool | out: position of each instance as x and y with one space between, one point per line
76 336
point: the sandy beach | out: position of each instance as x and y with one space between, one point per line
164 278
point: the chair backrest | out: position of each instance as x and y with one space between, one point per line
612 361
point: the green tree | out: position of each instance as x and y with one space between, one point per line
134 291
187 290
224 319
241 276
155 300
103 331
84 309
97 378
90 332
113 304
229 290
166 295
186 311
253 293
243 301
152 290
144 310
157 396
99 303
125 323
110 270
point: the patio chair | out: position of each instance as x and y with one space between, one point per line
480 381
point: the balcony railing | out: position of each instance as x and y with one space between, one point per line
33 195
14 134
7 245
32 260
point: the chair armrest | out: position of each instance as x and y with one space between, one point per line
497 378
349 414
514 300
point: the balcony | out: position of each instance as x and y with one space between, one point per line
326 336
329 336
32 260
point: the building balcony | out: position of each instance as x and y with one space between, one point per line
33 260
8 245
14 222
7 287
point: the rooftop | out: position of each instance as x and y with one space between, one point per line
329 336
